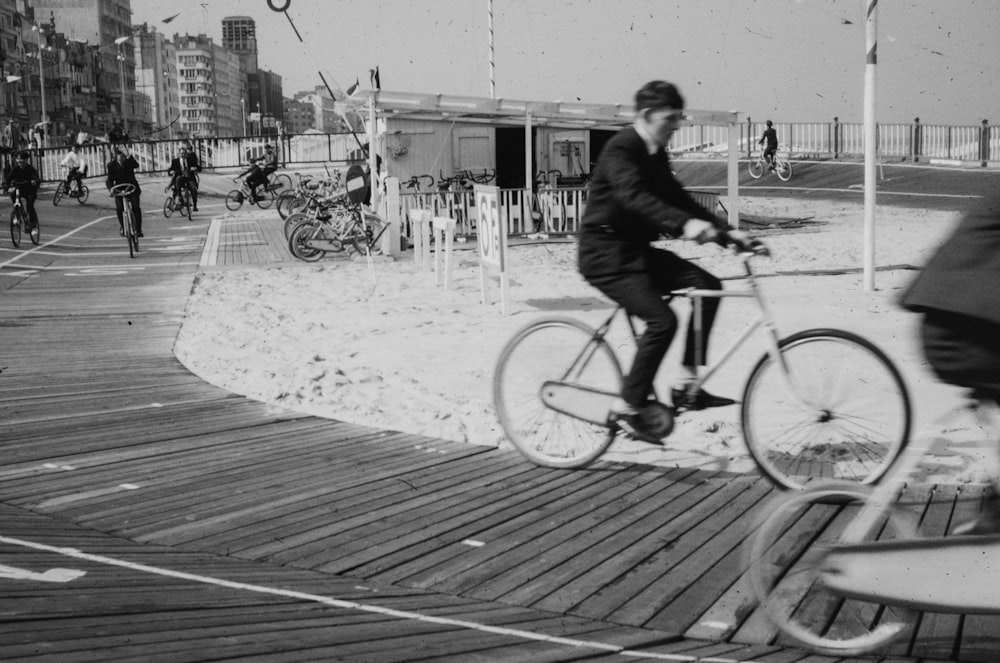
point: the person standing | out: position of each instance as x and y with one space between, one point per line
121 170
770 141
23 176
634 199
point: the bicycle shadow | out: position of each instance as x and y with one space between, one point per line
569 304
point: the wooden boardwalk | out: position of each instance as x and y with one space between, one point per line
211 527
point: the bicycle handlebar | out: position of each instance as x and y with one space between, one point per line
122 190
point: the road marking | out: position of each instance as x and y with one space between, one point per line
40 247
354 605
52 575
76 497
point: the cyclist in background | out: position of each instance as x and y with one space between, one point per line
24 175
770 137
254 178
121 170
960 330
270 163
183 169
75 171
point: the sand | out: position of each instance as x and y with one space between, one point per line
384 346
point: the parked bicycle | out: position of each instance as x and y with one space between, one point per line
821 402
76 190
19 219
781 167
844 569
125 190
331 232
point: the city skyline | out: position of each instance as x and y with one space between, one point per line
794 60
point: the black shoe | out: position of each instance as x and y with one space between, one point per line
138 233
700 400
195 208
630 422
988 521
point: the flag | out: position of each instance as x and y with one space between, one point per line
353 88
373 74
170 18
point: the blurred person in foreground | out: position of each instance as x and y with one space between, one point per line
634 199
957 295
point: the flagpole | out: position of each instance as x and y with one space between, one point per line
493 87
871 148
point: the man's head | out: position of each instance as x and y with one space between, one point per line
182 151
269 148
768 123
120 154
659 106
74 148
23 156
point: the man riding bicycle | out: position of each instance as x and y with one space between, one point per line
183 169
23 176
634 199
770 137
270 163
960 330
76 171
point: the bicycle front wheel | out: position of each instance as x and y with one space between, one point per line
281 183
16 224
554 350
786 553
834 406
36 233
783 170
168 206
756 168
298 246
234 200
58 195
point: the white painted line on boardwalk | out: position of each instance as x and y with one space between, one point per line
208 254
40 248
353 605
474 543
52 575
76 497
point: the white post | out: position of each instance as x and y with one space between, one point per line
372 161
392 217
733 176
871 148
528 175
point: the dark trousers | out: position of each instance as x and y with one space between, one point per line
642 296
136 210
963 351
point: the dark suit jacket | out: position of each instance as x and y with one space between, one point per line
963 276
124 172
634 199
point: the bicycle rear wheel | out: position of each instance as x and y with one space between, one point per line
265 197
368 237
783 169
756 168
16 224
84 194
553 350
842 411
281 183
786 552
297 243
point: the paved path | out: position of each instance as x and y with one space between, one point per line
149 516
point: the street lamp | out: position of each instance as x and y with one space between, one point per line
243 106
41 81
121 75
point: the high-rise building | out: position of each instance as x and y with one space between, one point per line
156 77
211 87
239 34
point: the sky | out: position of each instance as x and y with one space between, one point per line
785 60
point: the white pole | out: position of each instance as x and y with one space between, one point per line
493 87
871 148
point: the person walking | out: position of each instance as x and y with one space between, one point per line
121 170
634 199
770 137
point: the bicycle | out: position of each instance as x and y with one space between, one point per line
179 200
312 239
19 219
820 402
781 167
265 195
415 182
80 192
124 191
873 560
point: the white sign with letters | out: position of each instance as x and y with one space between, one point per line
492 235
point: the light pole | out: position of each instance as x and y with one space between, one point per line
41 82
121 75
243 107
